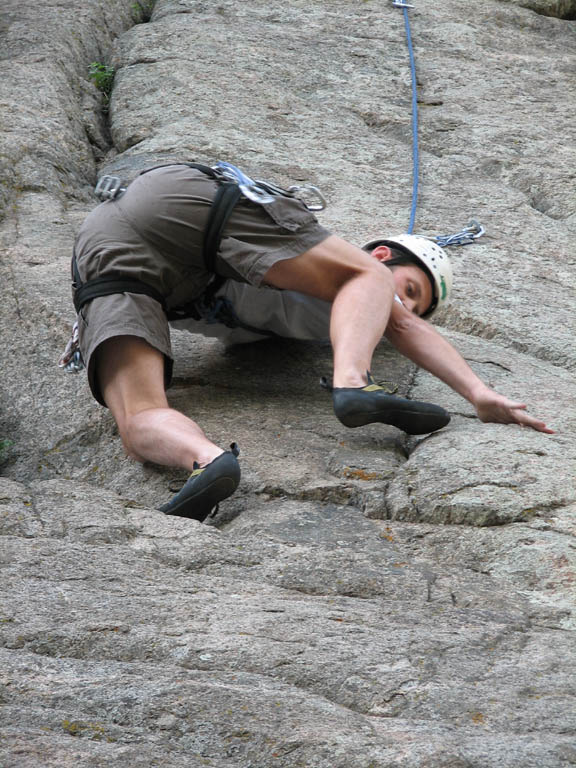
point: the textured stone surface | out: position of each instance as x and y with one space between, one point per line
366 600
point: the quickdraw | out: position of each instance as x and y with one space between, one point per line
466 236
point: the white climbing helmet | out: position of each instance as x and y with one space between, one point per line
434 259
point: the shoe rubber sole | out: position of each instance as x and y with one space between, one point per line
205 489
357 407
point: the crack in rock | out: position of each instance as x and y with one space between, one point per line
559 9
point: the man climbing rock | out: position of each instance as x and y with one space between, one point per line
183 242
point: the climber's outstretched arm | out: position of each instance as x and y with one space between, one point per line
421 343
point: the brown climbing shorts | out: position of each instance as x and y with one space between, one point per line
154 233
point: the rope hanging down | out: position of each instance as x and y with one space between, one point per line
474 230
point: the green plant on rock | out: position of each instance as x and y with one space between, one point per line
103 78
142 10
4 446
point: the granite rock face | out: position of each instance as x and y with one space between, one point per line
365 600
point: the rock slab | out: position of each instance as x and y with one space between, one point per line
365 600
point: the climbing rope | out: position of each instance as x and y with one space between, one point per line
415 147
474 230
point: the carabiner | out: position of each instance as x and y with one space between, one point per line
256 194
306 191
248 186
109 188
264 192
474 229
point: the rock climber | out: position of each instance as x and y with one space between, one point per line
140 263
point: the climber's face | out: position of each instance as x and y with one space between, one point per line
412 285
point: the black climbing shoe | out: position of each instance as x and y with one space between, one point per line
206 487
356 407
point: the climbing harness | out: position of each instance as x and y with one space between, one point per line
474 230
233 184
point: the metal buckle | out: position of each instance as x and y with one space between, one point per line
109 188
